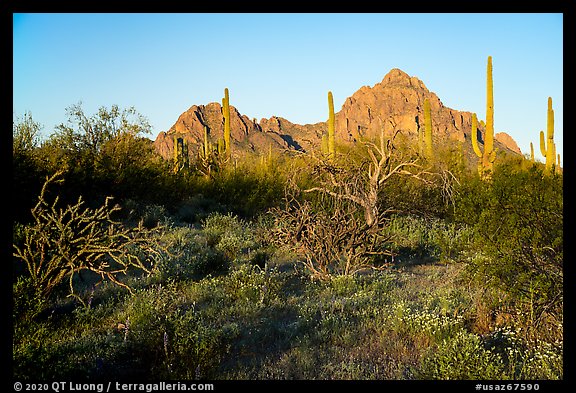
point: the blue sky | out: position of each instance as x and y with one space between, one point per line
284 64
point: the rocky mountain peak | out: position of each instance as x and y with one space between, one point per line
394 104
397 77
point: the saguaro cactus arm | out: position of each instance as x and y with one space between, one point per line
542 144
475 136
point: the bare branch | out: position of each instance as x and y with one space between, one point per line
62 242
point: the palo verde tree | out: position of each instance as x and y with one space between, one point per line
105 153
25 134
90 133
518 222
26 169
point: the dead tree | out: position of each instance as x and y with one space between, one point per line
342 233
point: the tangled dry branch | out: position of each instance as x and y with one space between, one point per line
64 241
343 233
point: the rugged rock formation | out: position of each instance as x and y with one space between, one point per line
396 103
508 142
246 135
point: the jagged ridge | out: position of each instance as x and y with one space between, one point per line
396 103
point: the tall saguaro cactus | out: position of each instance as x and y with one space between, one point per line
427 129
226 113
489 154
547 147
331 126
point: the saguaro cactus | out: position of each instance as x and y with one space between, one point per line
206 146
205 156
221 148
427 129
488 155
548 148
331 126
474 136
226 113
324 144
181 159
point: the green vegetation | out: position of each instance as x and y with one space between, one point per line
226 114
488 156
547 145
427 129
361 265
331 126
181 158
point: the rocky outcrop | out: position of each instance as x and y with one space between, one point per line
394 104
397 103
246 134
508 142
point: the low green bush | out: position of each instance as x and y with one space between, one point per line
463 356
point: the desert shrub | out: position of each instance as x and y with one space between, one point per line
197 208
525 359
428 238
228 234
463 356
168 336
517 219
28 302
242 189
189 256
154 215
192 349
